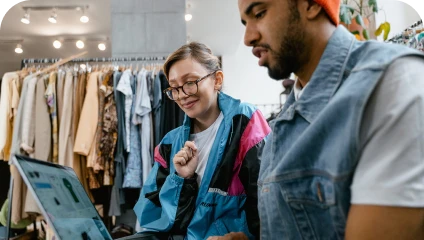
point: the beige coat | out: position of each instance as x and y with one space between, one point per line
8 108
89 116
43 127
80 161
66 154
28 119
19 187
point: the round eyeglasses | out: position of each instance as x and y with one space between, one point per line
189 88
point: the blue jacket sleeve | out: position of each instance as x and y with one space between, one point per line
167 201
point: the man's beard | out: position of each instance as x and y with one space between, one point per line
292 47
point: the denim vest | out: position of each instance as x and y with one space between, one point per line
308 165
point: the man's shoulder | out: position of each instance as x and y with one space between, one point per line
407 62
400 88
405 70
377 55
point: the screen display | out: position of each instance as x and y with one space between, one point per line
63 198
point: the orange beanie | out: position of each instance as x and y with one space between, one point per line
332 8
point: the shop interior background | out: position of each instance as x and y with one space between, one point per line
127 26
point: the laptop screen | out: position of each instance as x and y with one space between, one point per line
63 200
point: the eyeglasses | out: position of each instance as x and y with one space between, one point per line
189 88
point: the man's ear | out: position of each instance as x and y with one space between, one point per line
219 80
310 9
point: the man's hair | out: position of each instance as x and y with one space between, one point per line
198 52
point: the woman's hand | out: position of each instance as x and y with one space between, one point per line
186 160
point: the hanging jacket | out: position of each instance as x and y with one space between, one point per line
226 200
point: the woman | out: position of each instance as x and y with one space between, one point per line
203 182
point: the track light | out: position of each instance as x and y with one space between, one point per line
188 15
80 44
84 18
57 44
102 46
25 18
53 17
18 49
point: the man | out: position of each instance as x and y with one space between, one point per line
346 156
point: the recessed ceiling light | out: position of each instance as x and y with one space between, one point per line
80 44
19 49
102 46
57 44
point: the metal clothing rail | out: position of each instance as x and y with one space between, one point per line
399 35
82 60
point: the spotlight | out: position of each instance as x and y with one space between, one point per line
25 18
102 46
80 44
18 49
53 17
188 17
84 18
57 44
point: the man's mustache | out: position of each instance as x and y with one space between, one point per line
264 45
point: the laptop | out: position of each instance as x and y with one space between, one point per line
63 201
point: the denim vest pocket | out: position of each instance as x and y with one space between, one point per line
312 202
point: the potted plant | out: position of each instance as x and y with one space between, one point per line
355 14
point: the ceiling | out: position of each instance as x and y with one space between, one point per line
38 36
215 23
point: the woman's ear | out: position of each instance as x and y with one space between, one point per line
219 80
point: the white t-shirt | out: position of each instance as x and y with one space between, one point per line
390 171
204 141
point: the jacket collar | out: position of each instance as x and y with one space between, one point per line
325 80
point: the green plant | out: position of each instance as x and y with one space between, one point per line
354 14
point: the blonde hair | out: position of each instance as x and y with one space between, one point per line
197 51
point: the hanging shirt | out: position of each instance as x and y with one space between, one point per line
204 141
117 196
6 127
87 125
133 175
144 112
28 123
51 102
124 86
157 102
66 145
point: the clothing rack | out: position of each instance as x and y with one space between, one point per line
82 60
399 35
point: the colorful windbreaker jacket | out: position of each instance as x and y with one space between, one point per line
226 200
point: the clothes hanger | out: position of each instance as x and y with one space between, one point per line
61 62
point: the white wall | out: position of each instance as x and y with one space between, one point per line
244 79
399 14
